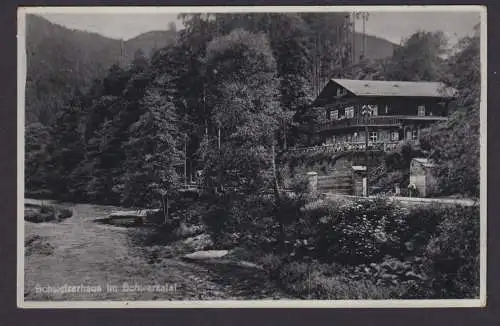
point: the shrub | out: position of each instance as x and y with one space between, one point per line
39 216
356 233
392 271
46 213
313 280
271 263
367 230
64 213
35 244
453 254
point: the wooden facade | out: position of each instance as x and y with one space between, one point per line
384 111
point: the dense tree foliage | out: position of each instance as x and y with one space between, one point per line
62 63
243 98
455 145
420 58
225 98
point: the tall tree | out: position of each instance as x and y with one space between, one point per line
420 58
455 145
244 99
152 152
67 150
37 140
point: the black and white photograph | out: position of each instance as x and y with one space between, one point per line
251 157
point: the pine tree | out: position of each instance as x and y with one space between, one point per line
244 100
37 140
152 152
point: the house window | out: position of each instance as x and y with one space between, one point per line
414 135
355 137
386 108
373 136
340 92
373 109
395 136
334 115
349 112
421 111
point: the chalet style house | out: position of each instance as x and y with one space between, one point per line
387 112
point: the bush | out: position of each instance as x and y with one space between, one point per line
312 280
392 271
363 249
412 229
453 254
64 213
39 217
35 244
46 213
356 233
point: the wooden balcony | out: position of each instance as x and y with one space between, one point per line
377 121
386 146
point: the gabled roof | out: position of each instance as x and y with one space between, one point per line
396 88
392 88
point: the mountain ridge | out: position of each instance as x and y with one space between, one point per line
62 60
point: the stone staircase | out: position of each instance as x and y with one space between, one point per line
338 181
337 184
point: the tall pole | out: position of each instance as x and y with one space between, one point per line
364 37
121 53
218 136
205 110
353 36
185 159
365 45
366 144
366 113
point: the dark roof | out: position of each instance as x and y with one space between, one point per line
392 88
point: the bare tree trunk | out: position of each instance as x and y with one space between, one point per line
164 207
277 201
218 137
185 159
284 137
275 174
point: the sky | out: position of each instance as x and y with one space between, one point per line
393 26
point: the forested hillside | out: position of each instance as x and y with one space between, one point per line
62 63
222 103
224 97
148 42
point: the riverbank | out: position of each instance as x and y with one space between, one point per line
107 265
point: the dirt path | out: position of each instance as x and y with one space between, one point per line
91 254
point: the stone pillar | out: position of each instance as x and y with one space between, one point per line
360 183
312 184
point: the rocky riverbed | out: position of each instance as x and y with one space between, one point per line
79 259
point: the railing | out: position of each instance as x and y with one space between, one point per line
386 146
387 121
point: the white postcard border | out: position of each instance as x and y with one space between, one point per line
21 77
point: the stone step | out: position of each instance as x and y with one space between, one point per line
335 180
331 176
335 184
345 186
338 181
